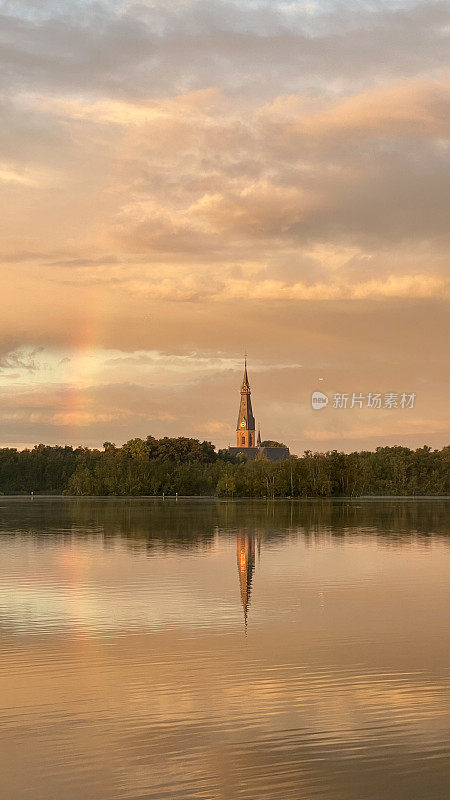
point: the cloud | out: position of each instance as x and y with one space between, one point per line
392 286
419 428
201 396
10 175
140 48
23 359
408 108
195 178
212 181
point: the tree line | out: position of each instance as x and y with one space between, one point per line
189 467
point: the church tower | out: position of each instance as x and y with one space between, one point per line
245 429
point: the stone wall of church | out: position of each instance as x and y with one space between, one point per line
245 438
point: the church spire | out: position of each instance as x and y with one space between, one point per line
245 378
245 427
258 441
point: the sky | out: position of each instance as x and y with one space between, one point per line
183 182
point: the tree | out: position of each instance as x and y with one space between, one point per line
191 467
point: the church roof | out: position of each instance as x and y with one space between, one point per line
271 453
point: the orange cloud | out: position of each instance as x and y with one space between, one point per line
280 186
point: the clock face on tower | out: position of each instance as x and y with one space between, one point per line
243 423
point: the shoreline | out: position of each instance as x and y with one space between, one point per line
176 498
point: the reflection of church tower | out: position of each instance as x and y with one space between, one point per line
245 428
245 548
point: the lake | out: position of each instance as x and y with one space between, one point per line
245 650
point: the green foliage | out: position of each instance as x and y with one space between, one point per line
152 466
272 443
43 469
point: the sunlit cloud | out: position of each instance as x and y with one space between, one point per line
183 182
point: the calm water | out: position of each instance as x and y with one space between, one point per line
224 651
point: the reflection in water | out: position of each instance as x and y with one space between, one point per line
193 525
245 546
123 664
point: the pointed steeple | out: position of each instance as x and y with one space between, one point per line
245 383
245 427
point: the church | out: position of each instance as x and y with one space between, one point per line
247 443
